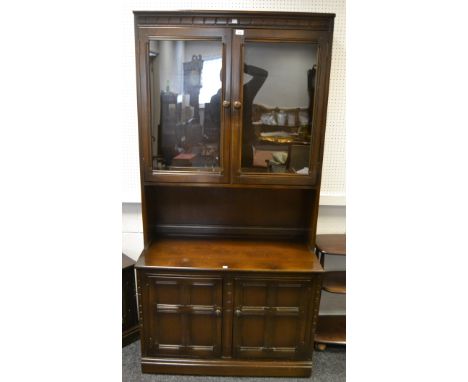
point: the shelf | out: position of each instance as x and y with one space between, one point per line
229 255
331 330
334 244
335 282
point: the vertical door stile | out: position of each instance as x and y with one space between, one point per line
227 318
269 316
184 301
226 111
152 296
236 114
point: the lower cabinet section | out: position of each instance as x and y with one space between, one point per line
227 323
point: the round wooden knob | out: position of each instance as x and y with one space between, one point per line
226 103
237 105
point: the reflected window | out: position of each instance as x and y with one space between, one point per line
210 84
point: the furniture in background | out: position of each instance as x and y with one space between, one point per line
228 282
331 329
130 326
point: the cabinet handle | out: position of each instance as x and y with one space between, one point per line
237 105
226 103
218 312
238 312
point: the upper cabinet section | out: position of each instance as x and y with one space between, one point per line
232 98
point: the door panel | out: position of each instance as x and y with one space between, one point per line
182 315
184 125
277 124
271 318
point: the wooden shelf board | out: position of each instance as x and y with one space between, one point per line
335 282
334 244
331 330
229 255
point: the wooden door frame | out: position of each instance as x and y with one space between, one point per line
323 40
185 282
303 349
143 36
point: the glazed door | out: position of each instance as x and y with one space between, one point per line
182 316
184 113
279 80
271 319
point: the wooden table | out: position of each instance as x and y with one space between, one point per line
331 329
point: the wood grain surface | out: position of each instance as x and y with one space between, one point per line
233 255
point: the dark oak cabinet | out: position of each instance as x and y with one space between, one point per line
232 113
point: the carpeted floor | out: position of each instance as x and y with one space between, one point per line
329 366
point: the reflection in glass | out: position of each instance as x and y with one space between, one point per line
278 94
185 84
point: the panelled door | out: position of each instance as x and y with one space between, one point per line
184 113
271 318
182 316
279 82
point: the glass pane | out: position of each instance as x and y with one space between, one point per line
185 83
278 94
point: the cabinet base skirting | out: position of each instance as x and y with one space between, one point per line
227 367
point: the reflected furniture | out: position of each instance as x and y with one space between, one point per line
331 329
228 282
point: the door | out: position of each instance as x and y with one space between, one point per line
181 316
184 113
271 318
279 79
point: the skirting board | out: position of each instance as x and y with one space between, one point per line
227 367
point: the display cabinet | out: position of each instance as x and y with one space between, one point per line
232 111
